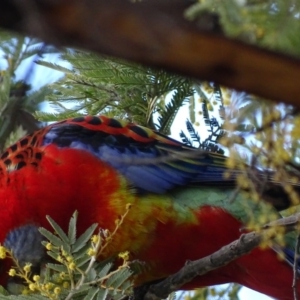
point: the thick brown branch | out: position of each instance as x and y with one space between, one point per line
220 258
147 34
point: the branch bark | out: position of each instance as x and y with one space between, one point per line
245 244
146 33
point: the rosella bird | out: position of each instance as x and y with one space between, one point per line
180 204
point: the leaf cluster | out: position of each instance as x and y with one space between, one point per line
271 24
100 85
17 99
75 273
210 96
229 292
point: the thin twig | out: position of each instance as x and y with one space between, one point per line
246 243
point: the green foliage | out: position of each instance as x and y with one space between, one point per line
98 85
22 297
211 111
17 101
230 292
271 24
75 273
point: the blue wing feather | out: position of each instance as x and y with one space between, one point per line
150 161
126 155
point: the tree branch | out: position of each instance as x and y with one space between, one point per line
147 33
245 244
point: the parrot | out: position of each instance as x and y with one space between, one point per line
181 205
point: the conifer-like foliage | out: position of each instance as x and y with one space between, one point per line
99 85
17 98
